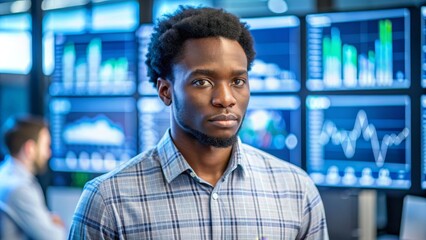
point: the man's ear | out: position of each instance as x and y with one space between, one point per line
29 147
164 88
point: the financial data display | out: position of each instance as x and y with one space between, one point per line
92 134
423 142
359 141
277 45
144 38
94 64
358 50
154 120
273 124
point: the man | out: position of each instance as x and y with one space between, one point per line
200 181
23 212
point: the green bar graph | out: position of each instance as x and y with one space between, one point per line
344 65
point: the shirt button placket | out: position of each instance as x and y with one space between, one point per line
215 216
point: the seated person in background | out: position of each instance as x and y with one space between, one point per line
200 181
23 212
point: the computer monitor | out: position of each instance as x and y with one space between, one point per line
154 120
276 67
358 50
273 124
94 64
58 21
423 142
144 38
92 134
423 45
359 141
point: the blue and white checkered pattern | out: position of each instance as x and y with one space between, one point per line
157 195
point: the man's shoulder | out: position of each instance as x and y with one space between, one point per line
260 159
268 168
14 184
142 165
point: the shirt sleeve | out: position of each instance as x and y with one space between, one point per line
314 225
91 218
32 215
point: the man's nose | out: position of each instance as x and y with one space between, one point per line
223 96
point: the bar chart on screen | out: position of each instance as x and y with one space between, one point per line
358 50
94 64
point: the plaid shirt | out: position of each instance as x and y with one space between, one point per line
157 195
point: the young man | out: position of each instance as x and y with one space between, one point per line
23 212
200 181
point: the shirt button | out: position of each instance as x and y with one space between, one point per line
193 174
215 196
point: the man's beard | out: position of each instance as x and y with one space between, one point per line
209 140
202 137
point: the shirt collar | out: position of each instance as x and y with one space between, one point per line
173 163
171 160
238 160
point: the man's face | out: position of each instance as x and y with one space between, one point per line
210 92
43 151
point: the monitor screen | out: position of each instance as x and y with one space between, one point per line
423 141
273 124
358 50
58 21
423 46
154 120
359 141
92 134
94 64
144 38
277 45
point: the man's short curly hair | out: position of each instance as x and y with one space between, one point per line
188 23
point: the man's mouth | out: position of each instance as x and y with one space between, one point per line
224 120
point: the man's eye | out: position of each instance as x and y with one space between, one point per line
200 82
239 82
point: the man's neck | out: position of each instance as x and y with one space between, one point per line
24 162
208 162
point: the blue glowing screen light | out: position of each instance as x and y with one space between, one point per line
120 16
273 124
359 141
15 52
92 134
358 50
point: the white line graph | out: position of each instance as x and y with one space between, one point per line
347 139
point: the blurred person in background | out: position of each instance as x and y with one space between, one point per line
23 211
